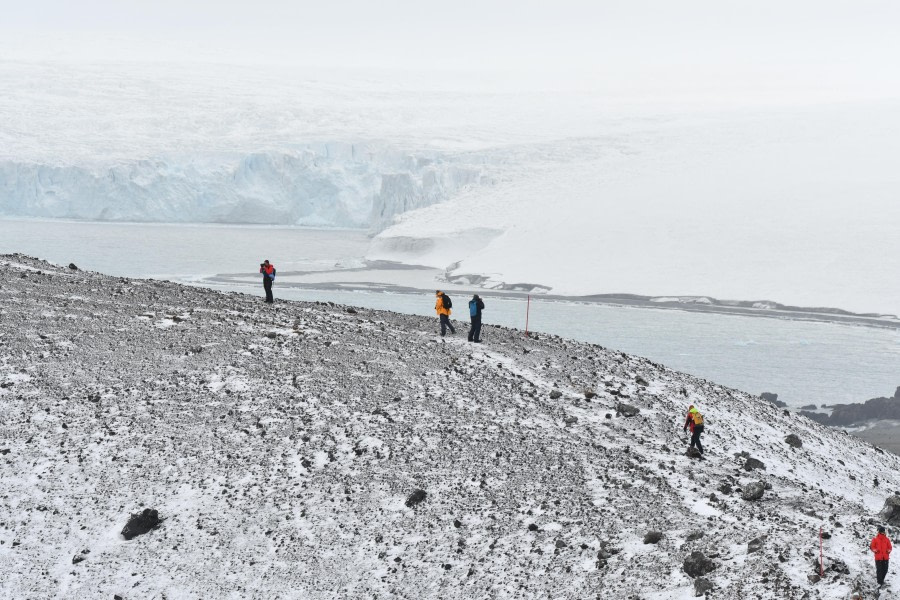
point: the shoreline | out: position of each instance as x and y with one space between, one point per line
336 280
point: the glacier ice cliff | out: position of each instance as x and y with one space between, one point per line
329 184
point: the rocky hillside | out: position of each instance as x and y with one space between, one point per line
321 451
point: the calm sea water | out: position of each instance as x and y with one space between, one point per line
804 362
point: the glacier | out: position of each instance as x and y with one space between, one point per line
329 184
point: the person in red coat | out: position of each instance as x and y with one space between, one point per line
267 270
881 546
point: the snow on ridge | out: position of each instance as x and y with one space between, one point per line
281 446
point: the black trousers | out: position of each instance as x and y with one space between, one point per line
695 438
445 323
475 330
881 567
267 284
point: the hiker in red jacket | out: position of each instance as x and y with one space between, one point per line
881 546
268 272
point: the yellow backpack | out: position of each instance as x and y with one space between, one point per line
698 418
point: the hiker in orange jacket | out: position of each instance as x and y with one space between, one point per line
694 420
881 546
267 270
442 306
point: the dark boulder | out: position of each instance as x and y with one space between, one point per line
140 523
794 441
417 497
752 463
754 491
652 537
627 410
693 453
73 267
697 565
756 544
555 394
702 586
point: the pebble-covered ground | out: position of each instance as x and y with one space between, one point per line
321 451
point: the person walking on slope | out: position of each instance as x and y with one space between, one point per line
475 308
442 306
881 546
268 272
695 422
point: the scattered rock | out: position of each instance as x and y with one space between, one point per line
652 537
4 451
140 523
417 497
794 441
641 381
753 491
73 267
756 544
752 463
697 565
555 394
702 585
627 410
725 489
694 453
589 395
814 578
694 536
532 527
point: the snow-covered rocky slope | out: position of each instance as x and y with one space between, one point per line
283 447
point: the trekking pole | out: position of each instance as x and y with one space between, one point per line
527 313
821 559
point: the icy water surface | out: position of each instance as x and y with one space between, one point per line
804 362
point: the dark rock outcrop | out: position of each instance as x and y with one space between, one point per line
891 512
140 523
773 398
697 565
794 440
417 497
846 415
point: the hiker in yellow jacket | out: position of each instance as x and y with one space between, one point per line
442 306
695 422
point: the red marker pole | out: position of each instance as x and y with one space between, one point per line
821 560
527 312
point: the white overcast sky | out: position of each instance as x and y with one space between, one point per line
844 48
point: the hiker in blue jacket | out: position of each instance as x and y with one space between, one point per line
475 308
